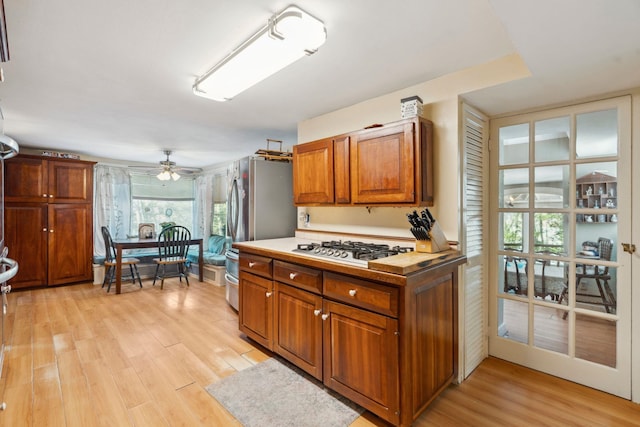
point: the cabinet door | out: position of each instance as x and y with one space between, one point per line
383 165
26 180
70 243
70 182
256 308
341 166
26 233
313 172
361 358
298 328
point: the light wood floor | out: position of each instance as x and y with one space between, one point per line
80 357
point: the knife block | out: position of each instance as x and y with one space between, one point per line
438 242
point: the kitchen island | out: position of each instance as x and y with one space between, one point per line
383 334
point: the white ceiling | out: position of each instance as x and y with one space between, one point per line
113 78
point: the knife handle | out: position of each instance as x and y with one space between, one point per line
431 218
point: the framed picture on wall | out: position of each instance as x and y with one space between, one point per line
146 230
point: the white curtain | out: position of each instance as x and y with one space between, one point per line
112 204
203 205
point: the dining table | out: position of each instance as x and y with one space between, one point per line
141 243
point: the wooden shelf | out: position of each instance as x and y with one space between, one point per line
597 191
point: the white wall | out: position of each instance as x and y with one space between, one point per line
441 100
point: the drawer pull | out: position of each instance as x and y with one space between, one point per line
317 312
268 294
325 316
353 292
292 275
251 264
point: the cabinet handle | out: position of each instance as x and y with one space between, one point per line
353 292
325 316
292 275
51 196
251 264
317 312
44 229
44 195
268 294
50 231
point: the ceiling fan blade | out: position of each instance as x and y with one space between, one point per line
168 165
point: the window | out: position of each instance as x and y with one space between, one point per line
158 202
219 222
219 206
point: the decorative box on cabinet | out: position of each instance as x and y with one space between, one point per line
49 219
384 165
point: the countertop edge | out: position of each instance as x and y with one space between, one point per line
281 250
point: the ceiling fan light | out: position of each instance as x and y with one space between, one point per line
165 175
175 176
289 35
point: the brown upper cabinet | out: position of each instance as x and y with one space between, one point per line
385 165
37 179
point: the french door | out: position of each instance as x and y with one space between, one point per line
560 299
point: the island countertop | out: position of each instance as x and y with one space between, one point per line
397 269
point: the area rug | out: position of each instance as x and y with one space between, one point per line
275 393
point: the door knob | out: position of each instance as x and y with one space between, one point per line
629 247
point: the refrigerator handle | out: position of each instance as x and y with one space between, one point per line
232 219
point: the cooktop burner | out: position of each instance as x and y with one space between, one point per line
349 251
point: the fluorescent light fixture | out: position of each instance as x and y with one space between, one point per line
288 36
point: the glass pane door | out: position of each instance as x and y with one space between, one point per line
560 297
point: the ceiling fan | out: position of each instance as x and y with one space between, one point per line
168 169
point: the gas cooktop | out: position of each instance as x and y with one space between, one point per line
358 253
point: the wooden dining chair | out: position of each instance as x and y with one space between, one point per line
598 273
110 261
173 244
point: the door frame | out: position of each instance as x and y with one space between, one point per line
577 370
635 238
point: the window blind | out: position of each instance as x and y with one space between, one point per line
148 187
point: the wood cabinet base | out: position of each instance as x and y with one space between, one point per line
390 349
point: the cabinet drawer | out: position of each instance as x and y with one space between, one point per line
296 275
256 264
372 296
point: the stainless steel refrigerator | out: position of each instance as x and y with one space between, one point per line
259 206
8 267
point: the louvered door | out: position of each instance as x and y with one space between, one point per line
473 237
